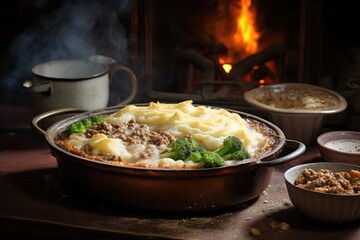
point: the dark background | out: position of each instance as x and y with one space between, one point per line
41 30
36 31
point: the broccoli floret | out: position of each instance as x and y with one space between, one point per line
180 149
230 144
76 127
212 159
81 125
196 155
207 158
87 122
238 155
97 119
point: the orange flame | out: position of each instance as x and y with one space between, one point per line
244 40
246 34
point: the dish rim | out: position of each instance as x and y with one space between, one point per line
322 143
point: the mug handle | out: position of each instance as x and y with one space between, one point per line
133 79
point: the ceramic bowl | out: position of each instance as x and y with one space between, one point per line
299 109
319 206
340 146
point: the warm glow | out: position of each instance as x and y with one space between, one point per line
227 67
243 41
246 33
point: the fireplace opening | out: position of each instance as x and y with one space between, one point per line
217 50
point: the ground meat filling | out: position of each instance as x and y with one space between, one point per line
327 181
130 133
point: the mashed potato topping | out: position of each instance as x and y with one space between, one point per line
137 135
208 126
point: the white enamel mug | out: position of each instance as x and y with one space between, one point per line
81 84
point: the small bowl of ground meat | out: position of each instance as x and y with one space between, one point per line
325 191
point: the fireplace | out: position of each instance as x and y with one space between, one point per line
214 51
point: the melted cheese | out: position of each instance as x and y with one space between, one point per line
101 144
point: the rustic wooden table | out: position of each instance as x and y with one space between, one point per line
34 204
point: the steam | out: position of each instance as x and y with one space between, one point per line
76 29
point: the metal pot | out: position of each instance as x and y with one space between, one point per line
56 84
167 189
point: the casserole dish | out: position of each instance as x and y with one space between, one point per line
176 190
302 105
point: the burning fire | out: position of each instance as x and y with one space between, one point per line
244 41
226 66
246 34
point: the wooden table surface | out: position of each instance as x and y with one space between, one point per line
34 204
